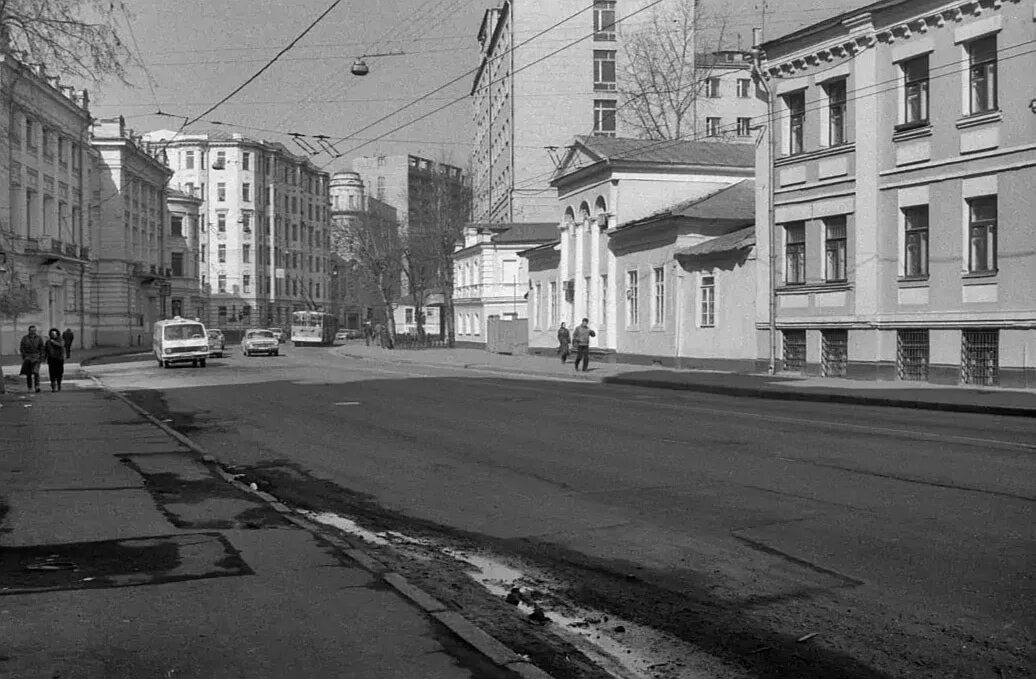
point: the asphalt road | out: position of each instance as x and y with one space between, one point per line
904 538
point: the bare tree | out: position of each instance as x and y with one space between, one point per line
71 37
15 299
663 80
377 250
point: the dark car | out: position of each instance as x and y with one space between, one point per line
217 343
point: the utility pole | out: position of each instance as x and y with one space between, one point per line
771 153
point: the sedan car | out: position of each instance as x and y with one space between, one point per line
217 343
258 341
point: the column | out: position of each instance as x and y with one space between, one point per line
566 231
595 276
579 302
615 286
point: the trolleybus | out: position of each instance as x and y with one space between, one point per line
313 328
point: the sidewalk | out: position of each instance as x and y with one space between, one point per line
991 401
124 554
9 361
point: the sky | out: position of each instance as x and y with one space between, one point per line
192 53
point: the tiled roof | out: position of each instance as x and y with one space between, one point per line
736 240
735 202
726 154
530 232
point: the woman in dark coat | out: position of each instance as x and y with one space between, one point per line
55 351
564 339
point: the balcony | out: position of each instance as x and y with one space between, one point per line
48 247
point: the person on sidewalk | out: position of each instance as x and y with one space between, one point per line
32 350
581 339
55 352
564 339
67 338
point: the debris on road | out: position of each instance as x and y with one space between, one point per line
806 637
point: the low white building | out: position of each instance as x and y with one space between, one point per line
490 279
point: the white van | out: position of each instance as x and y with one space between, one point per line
180 340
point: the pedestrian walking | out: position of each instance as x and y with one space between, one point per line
368 332
564 339
67 338
581 339
32 351
54 350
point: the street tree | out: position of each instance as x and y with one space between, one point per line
376 249
664 81
70 37
15 298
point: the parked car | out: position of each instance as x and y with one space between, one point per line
348 334
279 334
217 343
257 341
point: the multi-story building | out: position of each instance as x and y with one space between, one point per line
355 298
132 267
728 104
48 215
540 83
265 226
902 240
490 279
186 297
422 191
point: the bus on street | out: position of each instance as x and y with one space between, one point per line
313 328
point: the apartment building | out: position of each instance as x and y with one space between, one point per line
902 240
530 97
183 243
728 104
355 298
264 226
48 215
422 191
132 267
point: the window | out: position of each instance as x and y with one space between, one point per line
61 150
222 253
604 19
553 303
795 253
658 300
246 192
604 117
246 283
712 88
604 69
915 91
221 160
915 253
221 192
912 355
632 299
834 248
712 127
796 105
707 297
794 350
980 357
74 148
836 124
176 225
204 251
246 161
834 352
744 127
188 160
409 316
537 309
176 263
982 234
30 134
222 311
982 74
246 221
246 253
221 287
744 88
221 222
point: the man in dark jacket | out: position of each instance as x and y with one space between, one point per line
67 337
581 339
31 349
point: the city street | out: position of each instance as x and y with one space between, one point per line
902 539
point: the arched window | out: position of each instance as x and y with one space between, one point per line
584 212
570 215
600 207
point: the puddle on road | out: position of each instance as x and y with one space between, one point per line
622 648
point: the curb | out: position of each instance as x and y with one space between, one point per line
849 399
484 367
473 635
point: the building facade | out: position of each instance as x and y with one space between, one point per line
132 266
183 242
530 98
490 279
901 245
354 297
729 104
48 215
421 190
602 184
264 226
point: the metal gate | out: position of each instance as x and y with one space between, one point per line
980 357
507 336
834 352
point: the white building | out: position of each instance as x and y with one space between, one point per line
48 214
186 297
265 226
490 279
